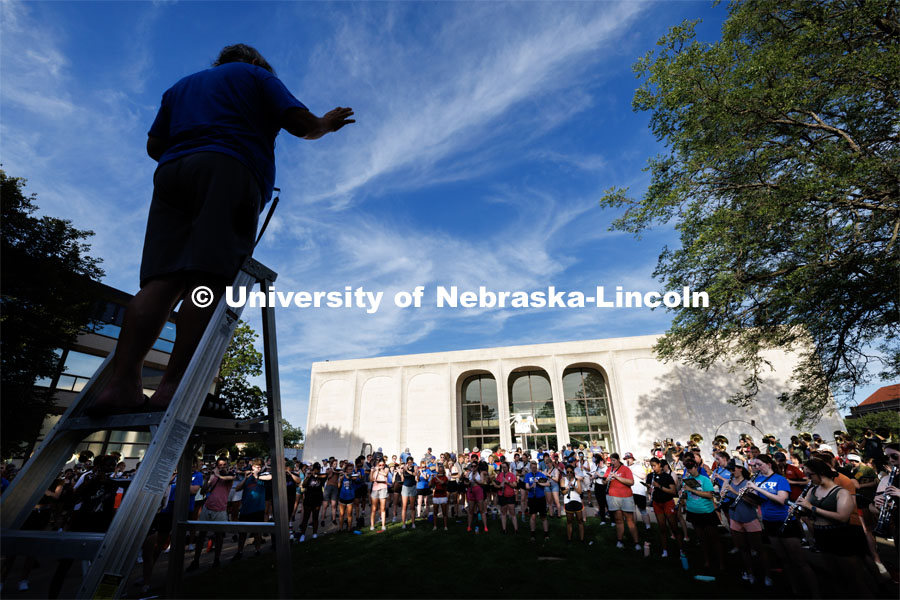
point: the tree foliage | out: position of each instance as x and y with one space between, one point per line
241 362
292 436
887 419
46 298
782 176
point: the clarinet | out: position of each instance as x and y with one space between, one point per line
883 525
794 508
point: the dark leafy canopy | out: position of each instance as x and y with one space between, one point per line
782 176
242 361
292 436
46 299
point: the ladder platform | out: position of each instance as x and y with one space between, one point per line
144 421
62 544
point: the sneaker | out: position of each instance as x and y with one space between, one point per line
485 529
302 538
445 529
751 579
382 530
734 551
190 548
140 558
546 538
371 528
620 545
638 547
469 529
209 546
533 539
23 585
665 554
646 526
612 524
745 576
315 536
393 519
413 525
435 528
403 526
768 581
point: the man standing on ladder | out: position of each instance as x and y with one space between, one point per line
214 139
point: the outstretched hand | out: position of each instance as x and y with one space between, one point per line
337 118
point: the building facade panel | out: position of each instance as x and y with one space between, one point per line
613 391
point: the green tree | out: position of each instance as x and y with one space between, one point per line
47 298
782 176
242 361
292 436
888 419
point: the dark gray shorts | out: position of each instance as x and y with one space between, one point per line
203 217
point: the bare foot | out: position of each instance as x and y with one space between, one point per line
163 396
116 398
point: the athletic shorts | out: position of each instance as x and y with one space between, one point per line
574 507
537 506
395 487
520 485
331 492
748 527
614 503
506 500
424 492
439 500
665 508
640 502
793 529
203 217
346 501
212 515
474 493
408 491
702 519
380 494
452 487
361 492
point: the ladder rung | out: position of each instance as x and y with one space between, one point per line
65 544
227 526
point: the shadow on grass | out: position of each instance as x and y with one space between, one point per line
456 564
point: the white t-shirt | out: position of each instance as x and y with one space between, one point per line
572 494
640 478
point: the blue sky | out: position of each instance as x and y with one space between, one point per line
486 134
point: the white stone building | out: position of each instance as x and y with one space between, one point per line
613 391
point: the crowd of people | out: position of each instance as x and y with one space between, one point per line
810 510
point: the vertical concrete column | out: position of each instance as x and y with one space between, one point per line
554 372
500 374
403 413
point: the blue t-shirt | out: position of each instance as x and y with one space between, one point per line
235 109
253 499
537 491
724 474
348 489
196 479
771 510
423 479
695 503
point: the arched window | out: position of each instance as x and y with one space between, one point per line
587 408
481 421
531 402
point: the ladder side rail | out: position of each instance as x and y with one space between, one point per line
180 515
41 468
126 534
281 539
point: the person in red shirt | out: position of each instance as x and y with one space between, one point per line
441 484
793 474
620 500
506 483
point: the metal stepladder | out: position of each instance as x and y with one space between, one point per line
175 435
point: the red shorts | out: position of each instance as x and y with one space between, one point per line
667 508
474 493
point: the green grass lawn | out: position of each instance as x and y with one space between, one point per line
455 564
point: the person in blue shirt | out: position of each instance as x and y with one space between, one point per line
774 490
214 140
536 483
253 503
423 490
701 511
